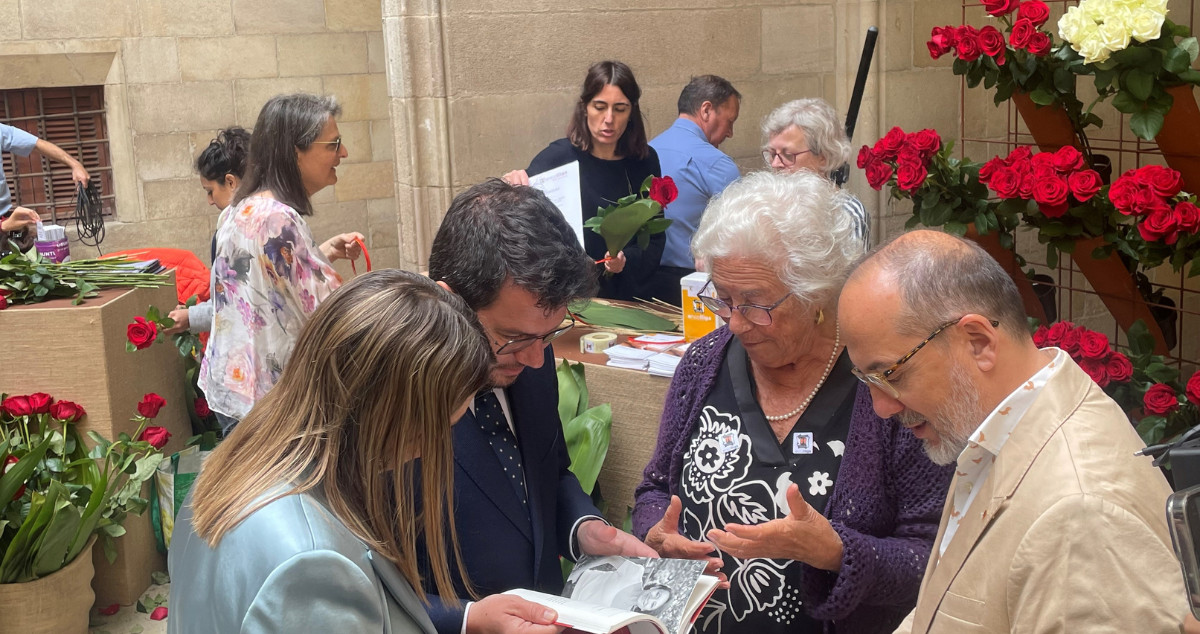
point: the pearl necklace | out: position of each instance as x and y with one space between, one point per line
837 339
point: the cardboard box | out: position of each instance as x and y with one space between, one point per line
698 320
77 353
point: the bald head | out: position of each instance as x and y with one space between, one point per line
933 277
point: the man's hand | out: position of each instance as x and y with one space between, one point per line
664 537
79 174
597 538
804 535
21 219
342 247
504 613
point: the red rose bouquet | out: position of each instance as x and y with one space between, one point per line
1162 221
55 493
636 215
143 331
945 190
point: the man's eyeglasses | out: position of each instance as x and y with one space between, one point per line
880 379
336 143
513 346
754 313
787 158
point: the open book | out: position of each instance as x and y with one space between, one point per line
649 596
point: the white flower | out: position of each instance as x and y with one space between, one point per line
1093 50
1146 25
1114 36
819 483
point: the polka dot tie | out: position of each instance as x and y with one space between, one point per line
495 428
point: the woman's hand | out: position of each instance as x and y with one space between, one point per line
20 219
517 177
804 535
342 247
180 315
664 538
614 265
505 613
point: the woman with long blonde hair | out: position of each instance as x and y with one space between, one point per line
303 519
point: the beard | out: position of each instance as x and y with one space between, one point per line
953 422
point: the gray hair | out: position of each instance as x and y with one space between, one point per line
942 277
824 132
285 124
796 222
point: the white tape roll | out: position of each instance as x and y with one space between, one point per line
596 341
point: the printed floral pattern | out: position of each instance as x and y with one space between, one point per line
268 276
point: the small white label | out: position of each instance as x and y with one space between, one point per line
728 442
802 442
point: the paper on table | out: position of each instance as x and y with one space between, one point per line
561 186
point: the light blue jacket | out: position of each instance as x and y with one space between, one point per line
291 566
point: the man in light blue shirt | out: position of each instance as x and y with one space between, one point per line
15 222
687 151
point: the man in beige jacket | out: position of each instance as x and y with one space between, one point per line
1051 523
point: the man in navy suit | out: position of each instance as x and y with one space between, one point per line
510 254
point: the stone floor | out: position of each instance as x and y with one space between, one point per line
128 620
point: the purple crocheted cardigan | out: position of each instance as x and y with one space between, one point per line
886 502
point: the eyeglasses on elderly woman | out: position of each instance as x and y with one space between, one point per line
880 379
754 313
788 158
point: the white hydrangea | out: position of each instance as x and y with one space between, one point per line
1098 28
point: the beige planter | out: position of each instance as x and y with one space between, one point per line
56 604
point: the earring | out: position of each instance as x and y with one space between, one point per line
820 316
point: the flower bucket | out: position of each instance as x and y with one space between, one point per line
58 603
1008 260
1117 289
1049 125
1179 139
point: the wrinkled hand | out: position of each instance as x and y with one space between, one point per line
342 247
597 538
180 315
804 535
664 537
505 613
615 265
20 219
517 177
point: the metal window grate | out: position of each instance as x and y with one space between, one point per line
72 118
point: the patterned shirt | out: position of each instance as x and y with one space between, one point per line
975 462
268 276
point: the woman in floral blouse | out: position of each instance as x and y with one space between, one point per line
268 274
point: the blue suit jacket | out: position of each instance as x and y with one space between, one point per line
502 546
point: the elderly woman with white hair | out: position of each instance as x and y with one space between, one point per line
766 433
806 134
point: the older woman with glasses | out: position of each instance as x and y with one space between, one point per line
766 433
806 134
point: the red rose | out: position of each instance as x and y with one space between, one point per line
967 44
3 302
1035 11
1067 158
864 156
1121 194
1019 155
1159 225
67 411
878 174
1145 200
156 436
909 155
1070 341
1119 368
927 142
991 41
39 402
1039 336
1084 184
1160 399
1055 334
1054 211
17 406
663 190
1022 31
1039 44
1000 7
1006 182
159 613
1187 217
150 405
989 168
201 407
889 146
1096 369
941 41
141 333
1164 181
1193 389
1093 345
910 176
1051 191
8 464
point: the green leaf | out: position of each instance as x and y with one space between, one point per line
1177 60
956 228
623 223
1125 102
587 438
568 392
22 471
1138 83
1147 123
1189 46
608 316
1042 97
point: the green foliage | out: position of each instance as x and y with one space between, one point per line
633 215
609 316
30 278
587 430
